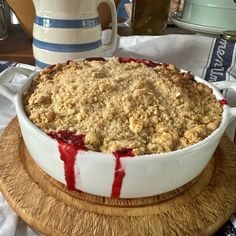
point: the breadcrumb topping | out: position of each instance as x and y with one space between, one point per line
117 105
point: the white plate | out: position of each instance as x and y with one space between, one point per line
178 21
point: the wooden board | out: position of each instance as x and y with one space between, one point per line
199 208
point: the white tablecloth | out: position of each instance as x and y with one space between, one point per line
211 58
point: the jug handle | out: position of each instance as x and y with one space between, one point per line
112 44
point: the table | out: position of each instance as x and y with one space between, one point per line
17 47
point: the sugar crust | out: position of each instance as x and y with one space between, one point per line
116 105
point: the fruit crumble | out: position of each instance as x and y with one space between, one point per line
119 103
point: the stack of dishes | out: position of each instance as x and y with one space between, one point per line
206 16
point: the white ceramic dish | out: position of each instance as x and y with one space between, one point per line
178 21
145 175
210 13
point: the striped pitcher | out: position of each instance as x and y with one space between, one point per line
68 30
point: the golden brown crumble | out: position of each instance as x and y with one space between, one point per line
116 105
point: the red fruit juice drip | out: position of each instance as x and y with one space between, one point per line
224 102
146 62
69 144
119 171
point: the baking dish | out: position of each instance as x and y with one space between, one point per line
144 175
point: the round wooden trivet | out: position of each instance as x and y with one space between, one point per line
42 202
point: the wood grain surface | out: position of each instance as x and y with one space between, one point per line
198 208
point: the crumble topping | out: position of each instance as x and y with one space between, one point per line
115 105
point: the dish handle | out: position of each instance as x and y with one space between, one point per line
221 85
5 81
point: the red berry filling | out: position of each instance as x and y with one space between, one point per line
144 61
95 59
119 171
224 102
69 144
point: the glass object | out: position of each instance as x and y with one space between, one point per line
175 6
149 17
229 35
124 17
3 20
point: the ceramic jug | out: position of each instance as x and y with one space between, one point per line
67 30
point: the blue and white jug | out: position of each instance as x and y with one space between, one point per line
67 30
